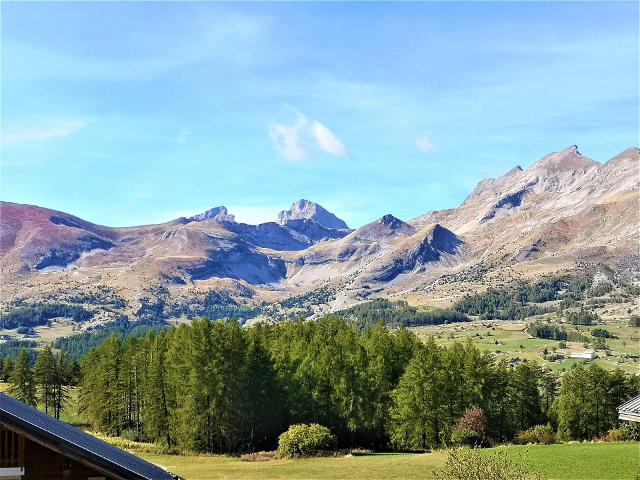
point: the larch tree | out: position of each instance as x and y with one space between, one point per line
45 378
22 384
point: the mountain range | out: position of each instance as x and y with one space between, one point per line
564 212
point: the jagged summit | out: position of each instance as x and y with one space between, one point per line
569 159
305 209
385 227
391 221
218 214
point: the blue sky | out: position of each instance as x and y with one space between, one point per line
130 113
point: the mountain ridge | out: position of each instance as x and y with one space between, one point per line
560 212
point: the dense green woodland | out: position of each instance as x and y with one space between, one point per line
397 314
77 346
35 315
216 387
523 299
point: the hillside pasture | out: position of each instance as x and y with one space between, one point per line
509 339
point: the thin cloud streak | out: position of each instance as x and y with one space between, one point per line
327 141
37 134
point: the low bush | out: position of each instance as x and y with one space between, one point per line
465 437
632 430
258 457
304 440
602 333
543 434
474 419
627 432
615 435
469 464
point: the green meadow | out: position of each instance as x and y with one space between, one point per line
576 461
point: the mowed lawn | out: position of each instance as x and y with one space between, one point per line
369 467
585 461
597 461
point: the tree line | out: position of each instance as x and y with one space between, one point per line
46 383
398 313
514 302
216 387
40 314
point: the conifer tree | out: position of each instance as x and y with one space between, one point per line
22 385
417 411
6 368
63 376
45 378
264 400
155 414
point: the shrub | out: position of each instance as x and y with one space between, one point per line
465 437
628 431
258 457
25 331
475 420
632 430
132 435
601 332
615 435
467 464
539 434
303 439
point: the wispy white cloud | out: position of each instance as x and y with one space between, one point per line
287 141
295 141
425 144
56 129
327 141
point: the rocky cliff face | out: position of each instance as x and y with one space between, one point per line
562 211
306 210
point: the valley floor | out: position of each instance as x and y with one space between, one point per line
577 461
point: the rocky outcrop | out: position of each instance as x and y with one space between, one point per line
304 209
216 214
509 201
65 255
239 262
436 242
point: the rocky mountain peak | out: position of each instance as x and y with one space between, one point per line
631 155
391 221
216 214
305 209
569 159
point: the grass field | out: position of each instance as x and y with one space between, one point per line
597 461
509 339
584 461
369 467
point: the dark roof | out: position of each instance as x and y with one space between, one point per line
76 442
